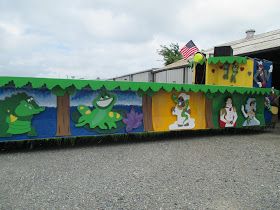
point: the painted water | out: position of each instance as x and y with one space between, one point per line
45 125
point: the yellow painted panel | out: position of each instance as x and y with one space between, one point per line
162 105
244 77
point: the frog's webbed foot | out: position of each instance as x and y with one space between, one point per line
111 125
102 126
81 124
81 119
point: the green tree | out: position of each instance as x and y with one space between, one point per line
170 53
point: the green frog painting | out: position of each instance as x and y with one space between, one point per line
101 115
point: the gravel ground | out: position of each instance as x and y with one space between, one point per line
235 171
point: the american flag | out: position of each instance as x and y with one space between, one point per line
189 49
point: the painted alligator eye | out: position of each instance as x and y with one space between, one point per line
30 99
106 97
101 98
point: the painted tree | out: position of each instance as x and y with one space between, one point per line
63 110
147 108
170 53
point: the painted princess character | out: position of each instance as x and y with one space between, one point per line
182 111
249 112
228 115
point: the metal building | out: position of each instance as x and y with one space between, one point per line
145 76
141 76
123 78
252 43
264 46
174 73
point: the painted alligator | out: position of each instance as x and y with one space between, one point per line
102 116
16 113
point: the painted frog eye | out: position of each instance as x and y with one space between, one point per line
106 97
101 98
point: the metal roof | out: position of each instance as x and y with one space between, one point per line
256 43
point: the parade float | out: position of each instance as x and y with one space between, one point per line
237 94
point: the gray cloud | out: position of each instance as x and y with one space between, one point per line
105 38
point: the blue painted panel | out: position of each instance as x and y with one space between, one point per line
126 110
266 83
44 123
127 105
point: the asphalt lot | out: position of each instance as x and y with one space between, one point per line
234 171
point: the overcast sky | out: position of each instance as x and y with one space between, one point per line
106 38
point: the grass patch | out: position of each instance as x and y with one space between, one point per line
72 142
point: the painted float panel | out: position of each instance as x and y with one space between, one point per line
19 118
105 112
244 77
27 113
263 73
55 108
162 105
238 100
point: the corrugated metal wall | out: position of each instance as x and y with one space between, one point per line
160 76
179 76
175 76
142 77
189 75
170 76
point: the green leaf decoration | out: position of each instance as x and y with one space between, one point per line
60 86
227 59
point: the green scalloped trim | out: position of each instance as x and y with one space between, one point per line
227 59
147 87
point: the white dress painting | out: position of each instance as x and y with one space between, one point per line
249 112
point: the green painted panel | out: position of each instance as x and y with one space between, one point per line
60 85
238 101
